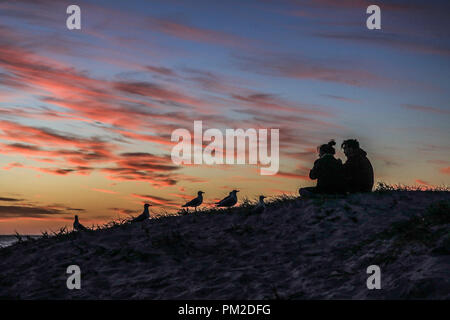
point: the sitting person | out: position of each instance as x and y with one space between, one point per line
358 171
328 172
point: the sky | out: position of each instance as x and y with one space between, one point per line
86 116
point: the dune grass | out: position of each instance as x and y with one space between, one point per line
436 213
386 187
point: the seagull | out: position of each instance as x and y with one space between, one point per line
195 202
261 206
78 226
228 201
144 215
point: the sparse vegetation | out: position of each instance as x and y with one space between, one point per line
385 187
305 248
18 237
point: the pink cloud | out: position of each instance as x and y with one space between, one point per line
426 109
193 33
282 65
104 191
13 165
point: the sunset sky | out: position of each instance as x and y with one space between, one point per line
86 115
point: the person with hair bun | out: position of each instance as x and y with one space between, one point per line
328 171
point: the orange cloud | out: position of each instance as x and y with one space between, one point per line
424 183
155 199
292 175
104 191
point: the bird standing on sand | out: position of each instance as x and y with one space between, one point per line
261 206
77 226
144 215
195 202
228 201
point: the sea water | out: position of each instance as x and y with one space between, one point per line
8 240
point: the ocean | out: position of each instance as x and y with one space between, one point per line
8 240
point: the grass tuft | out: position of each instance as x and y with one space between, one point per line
386 187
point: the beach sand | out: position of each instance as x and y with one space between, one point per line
296 249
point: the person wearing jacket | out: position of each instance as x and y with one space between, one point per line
358 171
328 171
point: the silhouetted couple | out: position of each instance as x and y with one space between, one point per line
333 177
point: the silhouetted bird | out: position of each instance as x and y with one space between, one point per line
261 206
195 202
78 226
228 201
144 215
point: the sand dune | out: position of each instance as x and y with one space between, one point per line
296 249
